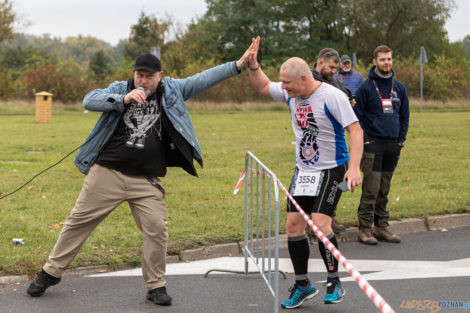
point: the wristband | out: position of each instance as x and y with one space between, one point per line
254 69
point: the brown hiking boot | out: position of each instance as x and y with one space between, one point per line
337 227
383 234
365 236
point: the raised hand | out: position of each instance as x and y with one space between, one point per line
253 55
244 59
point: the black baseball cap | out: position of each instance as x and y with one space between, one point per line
148 62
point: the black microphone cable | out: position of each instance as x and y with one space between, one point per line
55 164
44 170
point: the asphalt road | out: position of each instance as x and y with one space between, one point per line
432 265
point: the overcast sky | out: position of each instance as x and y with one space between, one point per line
110 20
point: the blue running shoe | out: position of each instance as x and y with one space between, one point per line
298 295
334 292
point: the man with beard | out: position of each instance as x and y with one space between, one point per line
319 114
144 128
383 111
324 70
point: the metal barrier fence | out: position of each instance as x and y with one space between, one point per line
261 216
252 253
360 280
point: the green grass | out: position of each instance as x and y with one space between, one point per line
461 105
431 179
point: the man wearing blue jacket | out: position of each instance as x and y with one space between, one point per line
347 76
144 128
383 111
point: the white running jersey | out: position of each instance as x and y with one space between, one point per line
318 122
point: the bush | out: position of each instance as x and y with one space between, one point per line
8 85
445 79
236 89
65 81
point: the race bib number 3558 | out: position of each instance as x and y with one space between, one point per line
308 184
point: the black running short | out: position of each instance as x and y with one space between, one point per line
328 196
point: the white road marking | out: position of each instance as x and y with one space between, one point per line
376 269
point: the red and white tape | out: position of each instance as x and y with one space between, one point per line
361 281
239 184
240 181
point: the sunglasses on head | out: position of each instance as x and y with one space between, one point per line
330 53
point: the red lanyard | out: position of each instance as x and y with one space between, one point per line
378 91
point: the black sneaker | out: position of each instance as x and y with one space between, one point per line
159 296
42 282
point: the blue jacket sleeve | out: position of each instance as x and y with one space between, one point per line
359 108
109 99
404 115
195 84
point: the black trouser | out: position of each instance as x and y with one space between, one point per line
378 163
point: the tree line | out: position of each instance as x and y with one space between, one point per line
69 68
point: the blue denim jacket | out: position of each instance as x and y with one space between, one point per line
110 102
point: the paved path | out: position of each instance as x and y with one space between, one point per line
431 265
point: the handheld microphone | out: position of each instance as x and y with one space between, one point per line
143 89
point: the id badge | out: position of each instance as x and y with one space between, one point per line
308 184
387 105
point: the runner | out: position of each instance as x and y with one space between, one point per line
319 113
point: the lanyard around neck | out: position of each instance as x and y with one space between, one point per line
346 84
378 91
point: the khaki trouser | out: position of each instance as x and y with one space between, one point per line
103 190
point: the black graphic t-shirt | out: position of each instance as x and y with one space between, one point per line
137 146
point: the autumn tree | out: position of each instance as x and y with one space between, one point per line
231 24
99 65
303 27
147 33
401 24
466 45
7 18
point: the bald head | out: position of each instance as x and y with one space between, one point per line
296 67
296 78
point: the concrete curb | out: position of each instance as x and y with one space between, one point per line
228 249
406 226
448 221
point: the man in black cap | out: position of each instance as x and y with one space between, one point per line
144 128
